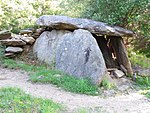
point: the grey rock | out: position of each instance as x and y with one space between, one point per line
45 46
118 73
78 55
95 27
5 34
2 78
14 49
142 71
40 30
36 34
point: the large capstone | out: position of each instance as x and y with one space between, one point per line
45 46
78 54
95 27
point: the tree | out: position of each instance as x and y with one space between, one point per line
130 14
20 14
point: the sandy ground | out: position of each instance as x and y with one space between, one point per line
132 103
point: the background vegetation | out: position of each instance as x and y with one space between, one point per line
130 14
21 14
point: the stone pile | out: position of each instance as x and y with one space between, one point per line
16 43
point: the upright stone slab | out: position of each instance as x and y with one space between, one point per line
45 46
78 54
121 53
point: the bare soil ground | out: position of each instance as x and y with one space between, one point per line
132 103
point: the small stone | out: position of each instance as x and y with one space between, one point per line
37 34
40 30
22 32
29 40
14 49
35 37
5 34
118 73
10 55
12 42
32 29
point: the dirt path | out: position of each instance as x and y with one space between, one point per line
132 103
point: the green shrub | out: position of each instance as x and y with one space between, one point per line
19 14
148 94
106 84
138 59
130 14
144 84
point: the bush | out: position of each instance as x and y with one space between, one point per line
20 14
130 14
138 59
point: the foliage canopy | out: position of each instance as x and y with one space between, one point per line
21 14
130 14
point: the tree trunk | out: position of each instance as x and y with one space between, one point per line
120 52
